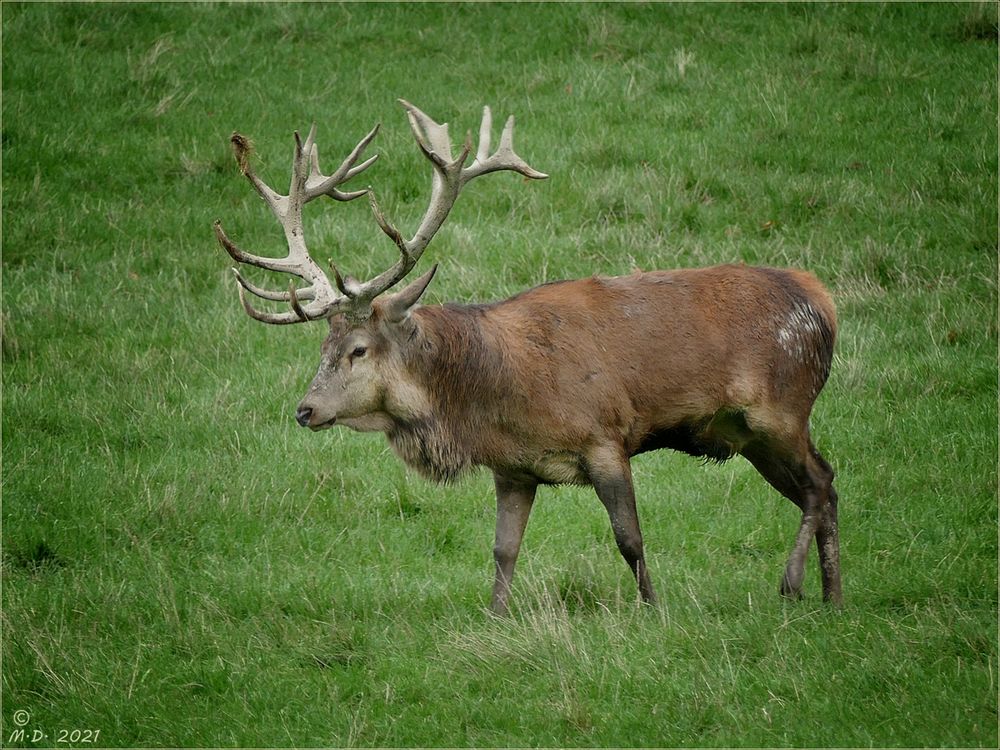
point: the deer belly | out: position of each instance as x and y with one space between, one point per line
560 467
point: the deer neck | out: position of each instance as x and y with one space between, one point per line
454 361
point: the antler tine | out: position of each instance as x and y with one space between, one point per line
449 177
242 150
431 137
318 184
282 265
307 183
485 128
503 158
306 293
284 318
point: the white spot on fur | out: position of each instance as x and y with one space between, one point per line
799 331
799 334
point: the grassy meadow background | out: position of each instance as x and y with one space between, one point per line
184 566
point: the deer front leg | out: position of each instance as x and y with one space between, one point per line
514 501
611 476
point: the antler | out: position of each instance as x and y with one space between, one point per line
450 176
355 298
307 184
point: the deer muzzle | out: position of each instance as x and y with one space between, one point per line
306 417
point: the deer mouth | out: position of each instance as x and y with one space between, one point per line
324 425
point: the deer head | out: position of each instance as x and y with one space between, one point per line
362 380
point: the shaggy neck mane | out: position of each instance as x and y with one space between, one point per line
465 378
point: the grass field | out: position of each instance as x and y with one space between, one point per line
183 566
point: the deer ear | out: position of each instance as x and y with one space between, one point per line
397 306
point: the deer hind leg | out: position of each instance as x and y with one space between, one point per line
611 475
805 478
828 535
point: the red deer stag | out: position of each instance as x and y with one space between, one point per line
565 382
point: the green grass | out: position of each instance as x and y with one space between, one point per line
183 566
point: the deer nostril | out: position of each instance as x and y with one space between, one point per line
302 415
